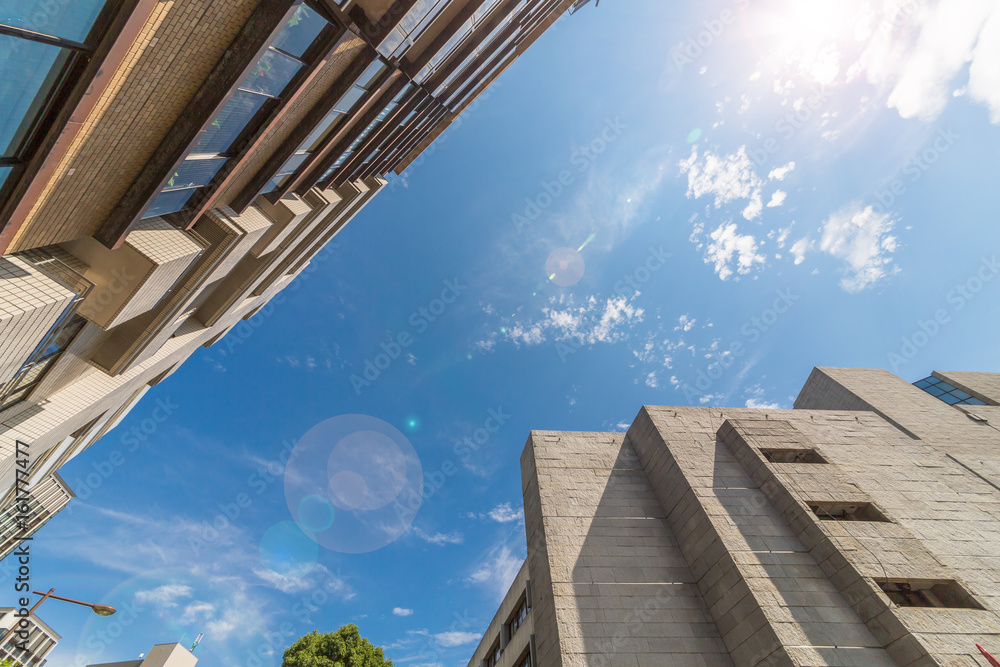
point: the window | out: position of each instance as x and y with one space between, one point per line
525 660
792 456
847 511
41 44
38 368
517 618
941 593
946 392
493 657
267 81
361 87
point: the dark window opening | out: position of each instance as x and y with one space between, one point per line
493 657
518 617
848 511
792 456
941 593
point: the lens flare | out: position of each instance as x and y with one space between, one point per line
565 266
353 483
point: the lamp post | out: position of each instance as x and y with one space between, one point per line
99 609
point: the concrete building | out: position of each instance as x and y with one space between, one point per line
161 655
168 167
860 528
41 639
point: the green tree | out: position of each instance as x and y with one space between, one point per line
343 648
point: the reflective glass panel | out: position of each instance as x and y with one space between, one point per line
271 73
300 31
68 19
193 173
349 99
314 137
369 74
5 171
170 201
230 122
292 164
28 73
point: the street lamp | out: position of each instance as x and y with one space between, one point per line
99 609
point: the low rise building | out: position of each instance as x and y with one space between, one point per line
861 527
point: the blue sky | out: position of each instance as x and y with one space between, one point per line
753 189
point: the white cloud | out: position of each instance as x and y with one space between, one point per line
456 638
164 596
777 199
761 404
497 570
400 611
984 73
947 41
726 246
595 321
728 178
651 380
862 238
439 539
504 513
779 173
800 248
685 322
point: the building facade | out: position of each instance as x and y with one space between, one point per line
161 655
860 528
168 167
40 641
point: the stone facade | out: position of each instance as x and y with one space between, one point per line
860 528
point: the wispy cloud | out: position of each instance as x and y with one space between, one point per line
595 320
400 611
502 513
439 539
496 570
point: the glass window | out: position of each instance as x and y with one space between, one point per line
300 31
67 20
193 173
392 40
271 74
170 201
230 122
369 74
349 99
5 171
312 141
292 164
28 73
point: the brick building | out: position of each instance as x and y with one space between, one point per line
168 166
860 528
